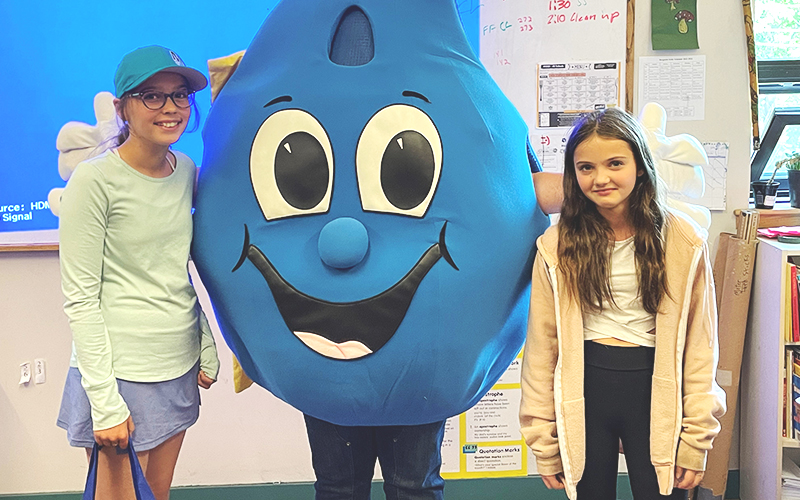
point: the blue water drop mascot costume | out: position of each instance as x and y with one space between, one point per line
365 227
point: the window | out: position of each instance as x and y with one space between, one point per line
776 27
781 139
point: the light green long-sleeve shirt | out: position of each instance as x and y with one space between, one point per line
124 249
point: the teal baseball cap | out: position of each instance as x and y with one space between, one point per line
144 62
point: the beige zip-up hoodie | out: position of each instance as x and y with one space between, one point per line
686 400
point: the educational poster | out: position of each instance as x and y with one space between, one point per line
715 174
677 83
525 44
485 440
567 90
673 24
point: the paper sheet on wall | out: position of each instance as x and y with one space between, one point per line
566 90
716 174
677 83
485 440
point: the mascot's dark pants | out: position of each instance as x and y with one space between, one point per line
344 460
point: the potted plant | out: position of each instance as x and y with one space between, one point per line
765 192
792 165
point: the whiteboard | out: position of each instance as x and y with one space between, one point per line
520 38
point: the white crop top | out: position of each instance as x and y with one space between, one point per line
627 320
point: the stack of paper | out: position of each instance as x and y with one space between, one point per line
774 232
790 478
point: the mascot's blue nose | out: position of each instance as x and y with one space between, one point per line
343 243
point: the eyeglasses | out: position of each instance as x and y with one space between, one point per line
154 100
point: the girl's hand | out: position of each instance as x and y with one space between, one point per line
554 482
204 380
686 479
115 436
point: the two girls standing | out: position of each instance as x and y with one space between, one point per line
622 335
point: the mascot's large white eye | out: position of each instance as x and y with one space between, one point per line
398 161
291 165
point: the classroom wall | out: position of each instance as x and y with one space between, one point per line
727 113
252 437
240 438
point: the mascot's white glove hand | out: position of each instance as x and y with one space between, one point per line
679 162
78 141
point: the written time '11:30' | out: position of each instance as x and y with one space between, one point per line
565 4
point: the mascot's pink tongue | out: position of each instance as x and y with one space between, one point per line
351 349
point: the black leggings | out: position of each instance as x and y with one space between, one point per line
617 387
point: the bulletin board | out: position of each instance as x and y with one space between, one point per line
556 59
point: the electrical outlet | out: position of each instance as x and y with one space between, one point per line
25 373
38 371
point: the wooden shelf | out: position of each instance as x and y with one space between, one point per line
39 247
774 217
790 443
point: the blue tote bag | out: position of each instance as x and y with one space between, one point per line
143 491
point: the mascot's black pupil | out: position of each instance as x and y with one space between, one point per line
301 170
407 169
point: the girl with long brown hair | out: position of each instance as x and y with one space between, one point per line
622 335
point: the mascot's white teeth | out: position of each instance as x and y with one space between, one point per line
352 349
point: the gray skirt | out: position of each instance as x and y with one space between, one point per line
159 409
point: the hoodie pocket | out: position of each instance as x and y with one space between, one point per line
663 427
574 438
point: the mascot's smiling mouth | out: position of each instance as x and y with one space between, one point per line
345 330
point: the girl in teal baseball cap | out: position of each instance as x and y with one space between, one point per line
141 343
146 82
